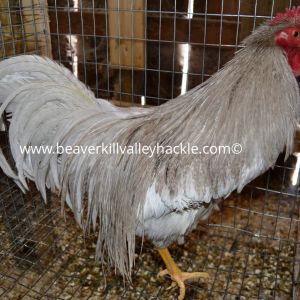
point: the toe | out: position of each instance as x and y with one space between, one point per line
195 275
182 289
163 273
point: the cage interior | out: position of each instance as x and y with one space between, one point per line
145 53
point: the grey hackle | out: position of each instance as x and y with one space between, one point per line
253 100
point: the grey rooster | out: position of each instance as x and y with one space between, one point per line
254 100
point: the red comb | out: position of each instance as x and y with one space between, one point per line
290 15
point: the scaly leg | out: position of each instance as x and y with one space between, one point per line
176 274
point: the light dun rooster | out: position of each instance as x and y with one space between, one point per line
254 100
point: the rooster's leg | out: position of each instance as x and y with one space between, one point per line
176 274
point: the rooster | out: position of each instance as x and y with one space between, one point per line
253 100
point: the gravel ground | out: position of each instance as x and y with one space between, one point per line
248 249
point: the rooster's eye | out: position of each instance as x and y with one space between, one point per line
296 33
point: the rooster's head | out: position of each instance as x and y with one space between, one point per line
288 36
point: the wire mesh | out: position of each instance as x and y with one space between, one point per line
250 247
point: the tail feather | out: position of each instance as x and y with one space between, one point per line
50 107
24 69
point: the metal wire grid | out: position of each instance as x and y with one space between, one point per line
40 270
40 247
90 63
20 26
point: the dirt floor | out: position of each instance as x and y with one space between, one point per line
248 249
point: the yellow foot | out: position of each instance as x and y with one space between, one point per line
181 277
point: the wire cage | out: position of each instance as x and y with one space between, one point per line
141 52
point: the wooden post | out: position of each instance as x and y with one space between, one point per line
36 26
126 22
10 35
